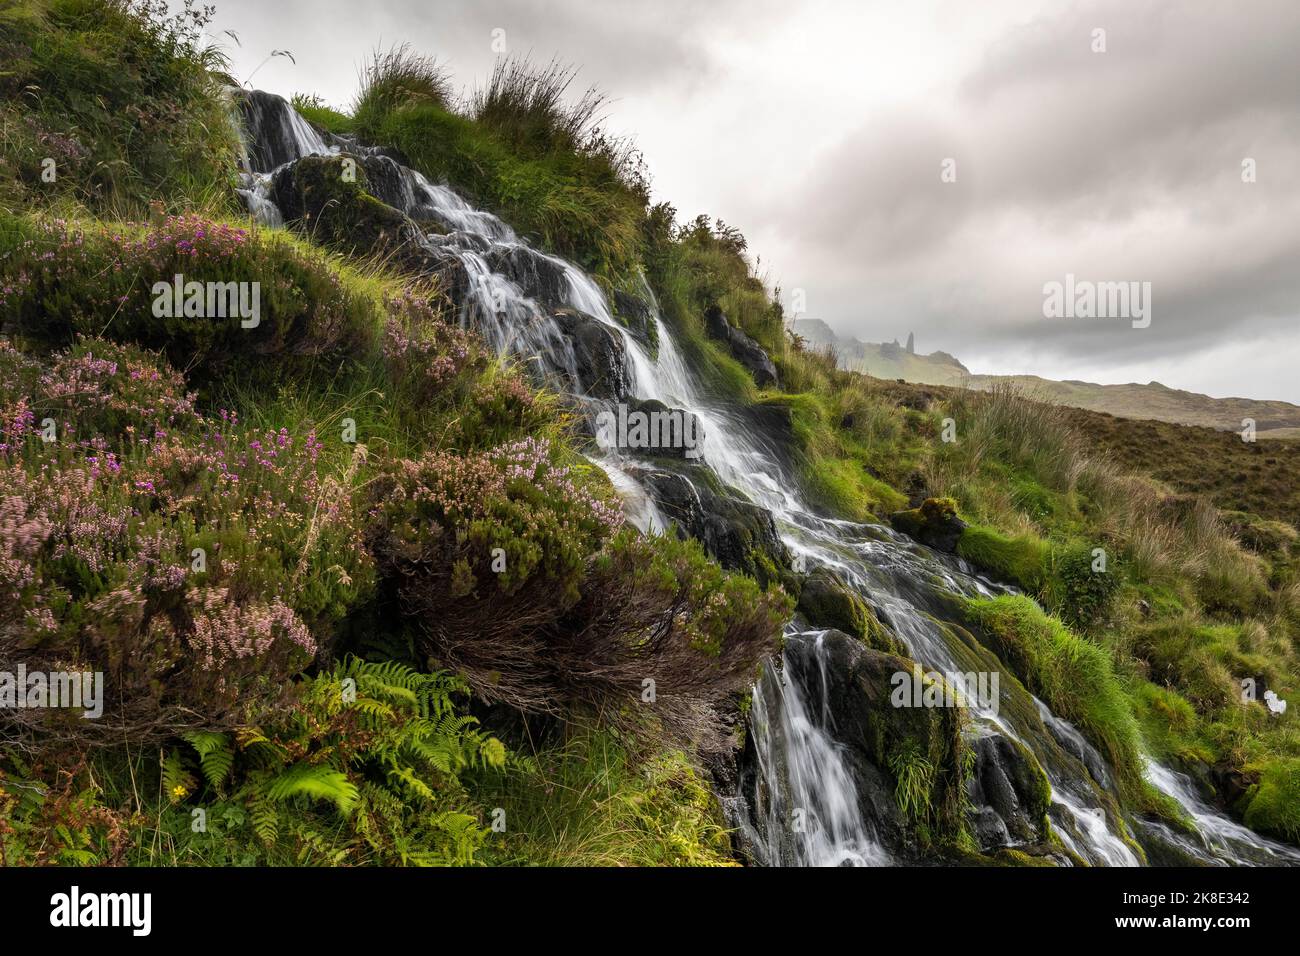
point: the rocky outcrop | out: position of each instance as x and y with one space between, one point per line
826 600
538 276
660 433
275 134
638 316
741 535
599 356
772 424
743 349
1009 794
330 202
857 682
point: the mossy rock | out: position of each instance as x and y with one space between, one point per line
1008 781
935 523
326 197
827 601
1074 676
923 743
1037 855
738 533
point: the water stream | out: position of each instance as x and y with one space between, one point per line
806 808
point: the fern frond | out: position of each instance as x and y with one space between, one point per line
216 755
316 781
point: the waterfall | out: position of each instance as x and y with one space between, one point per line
801 804
806 798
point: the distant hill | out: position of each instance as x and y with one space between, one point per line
1153 401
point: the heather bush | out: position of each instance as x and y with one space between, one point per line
59 280
513 506
193 560
512 570
432 362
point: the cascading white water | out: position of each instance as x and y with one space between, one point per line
1217 840
806 795
802 766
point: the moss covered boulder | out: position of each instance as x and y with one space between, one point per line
326 197
935 523
921 751
740 534
827 601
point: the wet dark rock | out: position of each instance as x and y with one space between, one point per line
337 210
1162 845
741 535
599 355
772 424
388 181
268 122
743 348
987 828
675 433
539 276
1008 783
638 316
1072 742
857 683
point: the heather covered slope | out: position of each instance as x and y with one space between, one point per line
355 469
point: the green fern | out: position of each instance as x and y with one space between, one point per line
265 819
316 782
177 781
216 755
357 777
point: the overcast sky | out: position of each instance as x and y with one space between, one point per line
821 129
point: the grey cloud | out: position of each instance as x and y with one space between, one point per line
1116 166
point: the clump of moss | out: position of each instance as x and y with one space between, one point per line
315 111
827 601
934 522
1170 725
1273 804
1023 561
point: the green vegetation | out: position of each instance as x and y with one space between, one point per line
1273 805
591 802
1074 676
110 106
544 167
245 527
235 523
1021 560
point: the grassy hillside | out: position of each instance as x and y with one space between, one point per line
1260 478
283 546
1152 401
249 531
